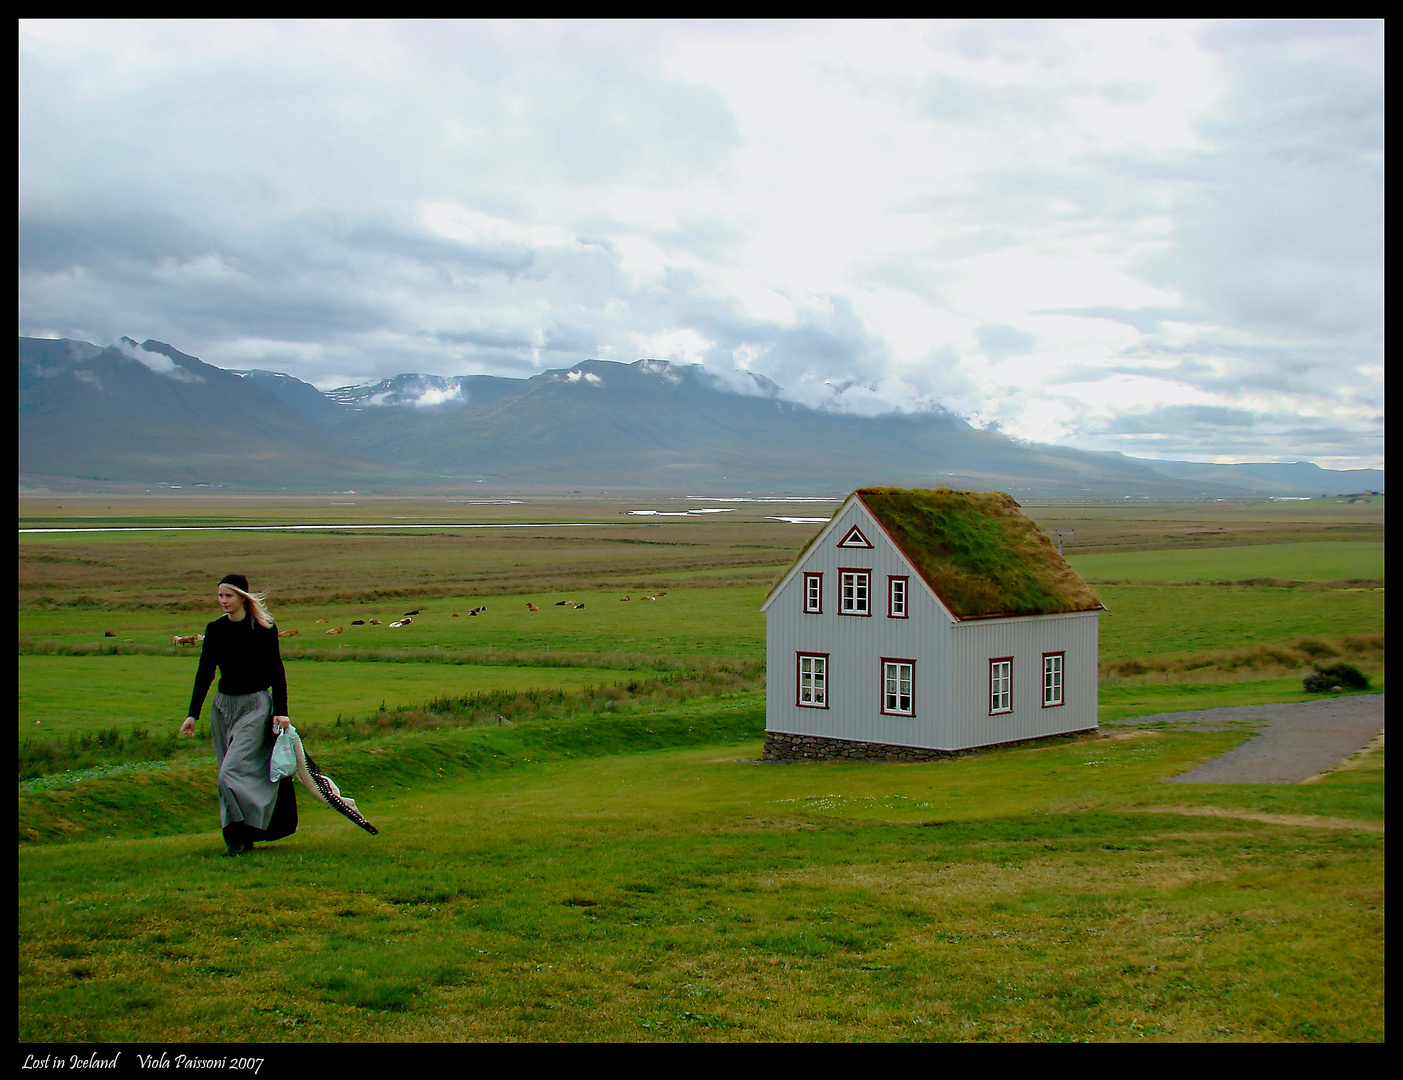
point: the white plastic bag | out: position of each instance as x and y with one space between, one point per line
284 755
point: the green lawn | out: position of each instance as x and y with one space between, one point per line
1159 620
1046 893
68 694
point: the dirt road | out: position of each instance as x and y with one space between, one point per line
1291 742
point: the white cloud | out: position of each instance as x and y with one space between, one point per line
964 213
160 363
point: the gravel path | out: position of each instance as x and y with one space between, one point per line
1291 742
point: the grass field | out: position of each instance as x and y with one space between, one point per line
1052 894
617 866
67 694
1311 561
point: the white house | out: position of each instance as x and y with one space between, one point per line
919 623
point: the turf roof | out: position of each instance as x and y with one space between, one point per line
978 552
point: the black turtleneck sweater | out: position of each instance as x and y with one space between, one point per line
248 660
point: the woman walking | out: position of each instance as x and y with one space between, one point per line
250 707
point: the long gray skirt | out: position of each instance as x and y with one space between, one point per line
243 748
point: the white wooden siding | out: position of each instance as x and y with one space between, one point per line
951 684
978 641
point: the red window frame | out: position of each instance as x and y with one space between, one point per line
882 686
905 596
799 679
1000 660
1061 680
818 610
866 572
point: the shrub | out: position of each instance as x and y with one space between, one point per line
1326 678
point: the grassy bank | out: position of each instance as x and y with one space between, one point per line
1051 893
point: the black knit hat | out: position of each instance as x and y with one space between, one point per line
237 580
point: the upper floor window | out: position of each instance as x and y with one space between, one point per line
813 593
1052 678
1001 685
854 592
896 597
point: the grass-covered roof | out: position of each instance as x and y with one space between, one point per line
979 553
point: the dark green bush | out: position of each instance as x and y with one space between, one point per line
1332 675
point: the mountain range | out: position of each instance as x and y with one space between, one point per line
132 416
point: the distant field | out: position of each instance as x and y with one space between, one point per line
63 694
1308 561
686 622
175 571
1142 525
1148 620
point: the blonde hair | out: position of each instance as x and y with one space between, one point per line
256 602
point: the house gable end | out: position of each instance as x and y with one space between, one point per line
819 539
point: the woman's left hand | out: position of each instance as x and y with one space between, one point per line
281 723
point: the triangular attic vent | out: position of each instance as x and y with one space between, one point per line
854 539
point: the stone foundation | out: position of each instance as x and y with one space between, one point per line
780 746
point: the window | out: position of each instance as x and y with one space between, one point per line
896 597
813 680
854 592
1052 678
898 687
854 539
813 593
1001 685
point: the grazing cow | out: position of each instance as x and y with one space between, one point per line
187 639
502 721
531 607
334 630
287 633
109 633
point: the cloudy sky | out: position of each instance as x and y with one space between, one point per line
1159 238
